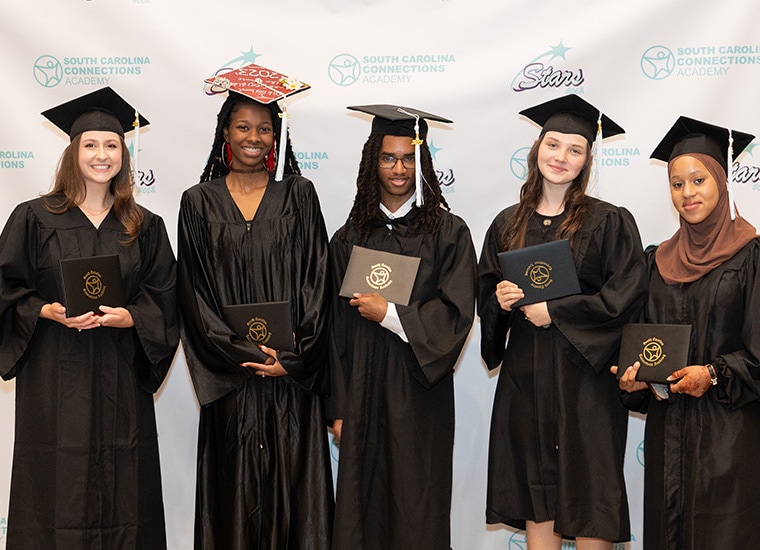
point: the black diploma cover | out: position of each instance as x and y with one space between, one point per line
91 282
265 323
543 271
660 349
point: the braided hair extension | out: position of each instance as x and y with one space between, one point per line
367 200
215 168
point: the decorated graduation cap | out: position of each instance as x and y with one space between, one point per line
393 120
689 135
264 86
102 110
571 114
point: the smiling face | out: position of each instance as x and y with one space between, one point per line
397 181
693 190
250 135
561 157
99 157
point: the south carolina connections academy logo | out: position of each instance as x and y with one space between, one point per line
93 285
660 62
379 276
94 70
346 69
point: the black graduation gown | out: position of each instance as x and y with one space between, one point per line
263 478
558 429
396 399
85 463
701 483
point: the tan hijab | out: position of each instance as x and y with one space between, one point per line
696 249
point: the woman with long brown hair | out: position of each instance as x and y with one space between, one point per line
85 465
558 429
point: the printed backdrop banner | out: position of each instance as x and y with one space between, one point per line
644 62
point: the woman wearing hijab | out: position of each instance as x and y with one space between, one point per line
702 435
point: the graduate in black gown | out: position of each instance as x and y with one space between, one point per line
702 434
392 365
558 430
246 237
85 462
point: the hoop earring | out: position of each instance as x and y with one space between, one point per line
271 160
226 154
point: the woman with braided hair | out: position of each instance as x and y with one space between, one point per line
392 365
247 237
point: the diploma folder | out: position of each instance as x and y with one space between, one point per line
661 349
543 271
265 323
91 282
390 275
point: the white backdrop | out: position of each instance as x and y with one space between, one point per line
643 61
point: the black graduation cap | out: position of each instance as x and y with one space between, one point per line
571 114
393 120
688 135
101 110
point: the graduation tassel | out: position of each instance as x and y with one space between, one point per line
419 195
730 174
136 149
282 148
595 186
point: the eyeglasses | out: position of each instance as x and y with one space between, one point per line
389 161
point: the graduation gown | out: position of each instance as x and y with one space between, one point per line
558 430
85 461
263 478
701 483
396 399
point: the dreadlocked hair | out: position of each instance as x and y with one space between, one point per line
367 200
215 168
69 189
576 203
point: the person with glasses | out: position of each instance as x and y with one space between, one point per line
392 364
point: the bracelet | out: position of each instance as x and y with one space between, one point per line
712 373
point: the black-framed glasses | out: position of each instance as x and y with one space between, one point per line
389 161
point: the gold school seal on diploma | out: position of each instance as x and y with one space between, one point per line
93 285
258 331
540 274
652 352
380 276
